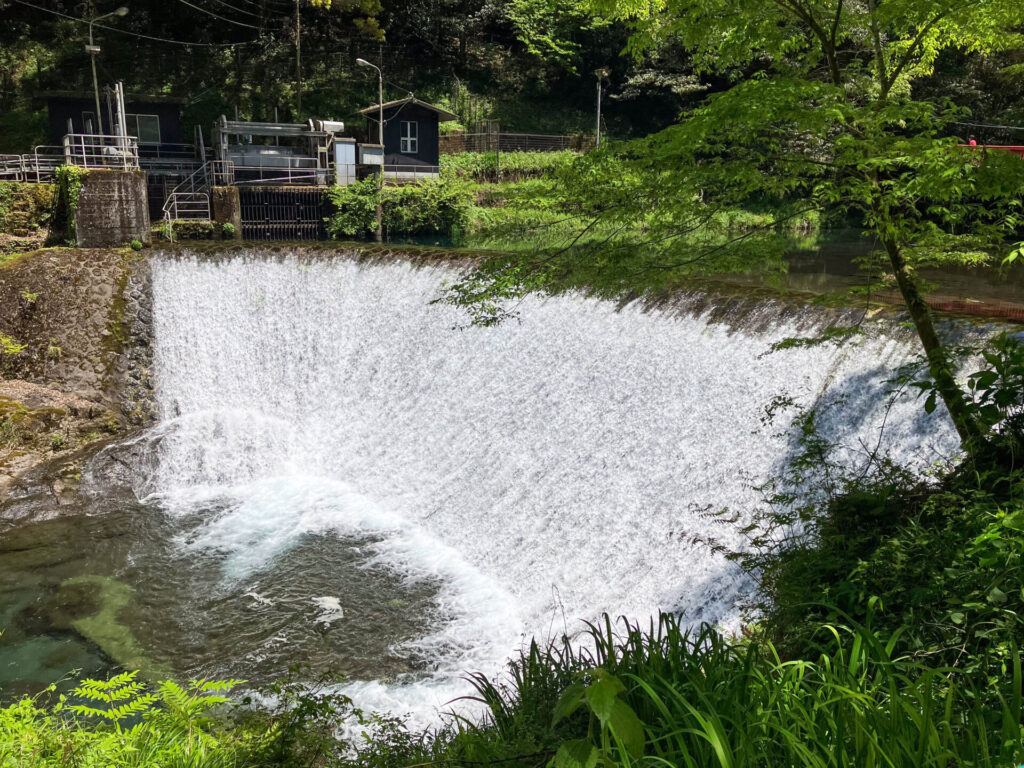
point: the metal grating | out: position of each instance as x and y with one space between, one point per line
282 213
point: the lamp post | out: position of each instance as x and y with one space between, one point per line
601 73
380 140
93 49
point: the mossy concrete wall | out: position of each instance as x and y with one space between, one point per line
112 209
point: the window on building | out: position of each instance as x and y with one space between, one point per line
145 127
410 137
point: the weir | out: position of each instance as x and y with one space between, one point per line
528 476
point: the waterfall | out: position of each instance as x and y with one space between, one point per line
533 474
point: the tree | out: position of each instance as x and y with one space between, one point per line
818 112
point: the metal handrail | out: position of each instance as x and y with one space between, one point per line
101 151
266 174
12 165
413 172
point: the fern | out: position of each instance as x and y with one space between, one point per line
121 697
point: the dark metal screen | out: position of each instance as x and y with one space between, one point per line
282 213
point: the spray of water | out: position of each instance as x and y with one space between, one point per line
539 473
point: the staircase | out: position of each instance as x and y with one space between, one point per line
190 200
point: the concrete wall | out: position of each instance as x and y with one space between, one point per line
227 208
112 209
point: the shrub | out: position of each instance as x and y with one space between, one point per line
355 209
432 207
227 231
136 245
24 207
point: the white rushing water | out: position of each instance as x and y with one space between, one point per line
540 472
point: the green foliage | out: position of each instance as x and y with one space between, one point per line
170 726
194 229
70 180
227 230
661 695
509 166
24 208
944 556
432 207
355 209
135 245
10 346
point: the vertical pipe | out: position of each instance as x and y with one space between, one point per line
298 62
597 133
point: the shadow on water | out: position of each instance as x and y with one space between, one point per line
109 587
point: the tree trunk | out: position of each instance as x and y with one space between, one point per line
938 360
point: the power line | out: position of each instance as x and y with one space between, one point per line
986 125
239 10
132 34
217 16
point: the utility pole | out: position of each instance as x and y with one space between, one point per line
380 140
298 62
93 50
601 73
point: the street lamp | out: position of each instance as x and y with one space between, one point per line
93 50
380 140
601 73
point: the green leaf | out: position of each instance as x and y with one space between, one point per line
627 728
601 696
929 404
996 596
578 753
568 703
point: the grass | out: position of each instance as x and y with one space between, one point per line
705 700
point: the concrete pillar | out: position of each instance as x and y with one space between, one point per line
112 209
227 208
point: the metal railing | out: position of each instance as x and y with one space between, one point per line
187 205
411 172
166 151
191 198
101 151
38 166
300 173
11 168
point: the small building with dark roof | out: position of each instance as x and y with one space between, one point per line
155 120
410 133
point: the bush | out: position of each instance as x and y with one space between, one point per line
24 207
136 245
355 209
433 207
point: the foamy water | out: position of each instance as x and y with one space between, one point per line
540 473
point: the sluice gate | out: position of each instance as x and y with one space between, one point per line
282 213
